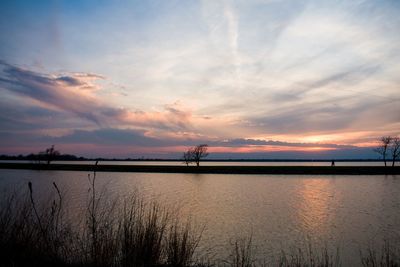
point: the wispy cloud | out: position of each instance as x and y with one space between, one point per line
319 72
233 32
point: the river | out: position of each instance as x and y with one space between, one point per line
279 211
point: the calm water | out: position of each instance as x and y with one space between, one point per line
220 163
280 211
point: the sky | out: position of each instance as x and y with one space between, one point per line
251 78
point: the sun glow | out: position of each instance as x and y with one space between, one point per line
309 82
258 149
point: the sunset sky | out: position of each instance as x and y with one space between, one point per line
251 78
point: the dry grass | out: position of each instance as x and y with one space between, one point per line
142 231
242 253
138 234
181 244
310 257
388 256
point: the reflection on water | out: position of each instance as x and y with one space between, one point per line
280 211
315 205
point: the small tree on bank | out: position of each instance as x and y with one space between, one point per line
382 149
389 146
395 149
49 154
195 154
187 157
199 152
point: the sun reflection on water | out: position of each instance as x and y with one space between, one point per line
316 206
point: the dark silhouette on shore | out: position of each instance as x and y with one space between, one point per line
195 154
395 149
389 145
49 154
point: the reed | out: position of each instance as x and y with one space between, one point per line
138 234
181 244
387 256
310 257
242 253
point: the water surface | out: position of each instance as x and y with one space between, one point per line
279 211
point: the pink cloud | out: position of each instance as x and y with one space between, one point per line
73 93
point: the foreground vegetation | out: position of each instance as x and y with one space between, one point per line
130 232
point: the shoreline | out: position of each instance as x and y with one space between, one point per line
287 170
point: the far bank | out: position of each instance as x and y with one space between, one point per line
289 170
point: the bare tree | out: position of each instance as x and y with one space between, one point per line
199 152
382 149
187 157
395 149
49 154
195 154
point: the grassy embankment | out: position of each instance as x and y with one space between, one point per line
290 170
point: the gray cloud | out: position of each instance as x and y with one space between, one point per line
16 117
49 91
59 93
239 142
109 136
103 137
127 139
311 117
68 80
348 78
351 153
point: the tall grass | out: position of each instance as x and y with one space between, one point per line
142 233
32 235
310 257
109 233
242 253
181 244
387 256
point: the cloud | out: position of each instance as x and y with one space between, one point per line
318 116
347 78
58 93
82 81
354 153
240 142
108 136
68 94
123 141
243 71
233 32
17 117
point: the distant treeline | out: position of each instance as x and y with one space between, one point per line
34 157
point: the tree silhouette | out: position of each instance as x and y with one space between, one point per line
49 154
187 157
382 149
195 154
199 152
395 149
